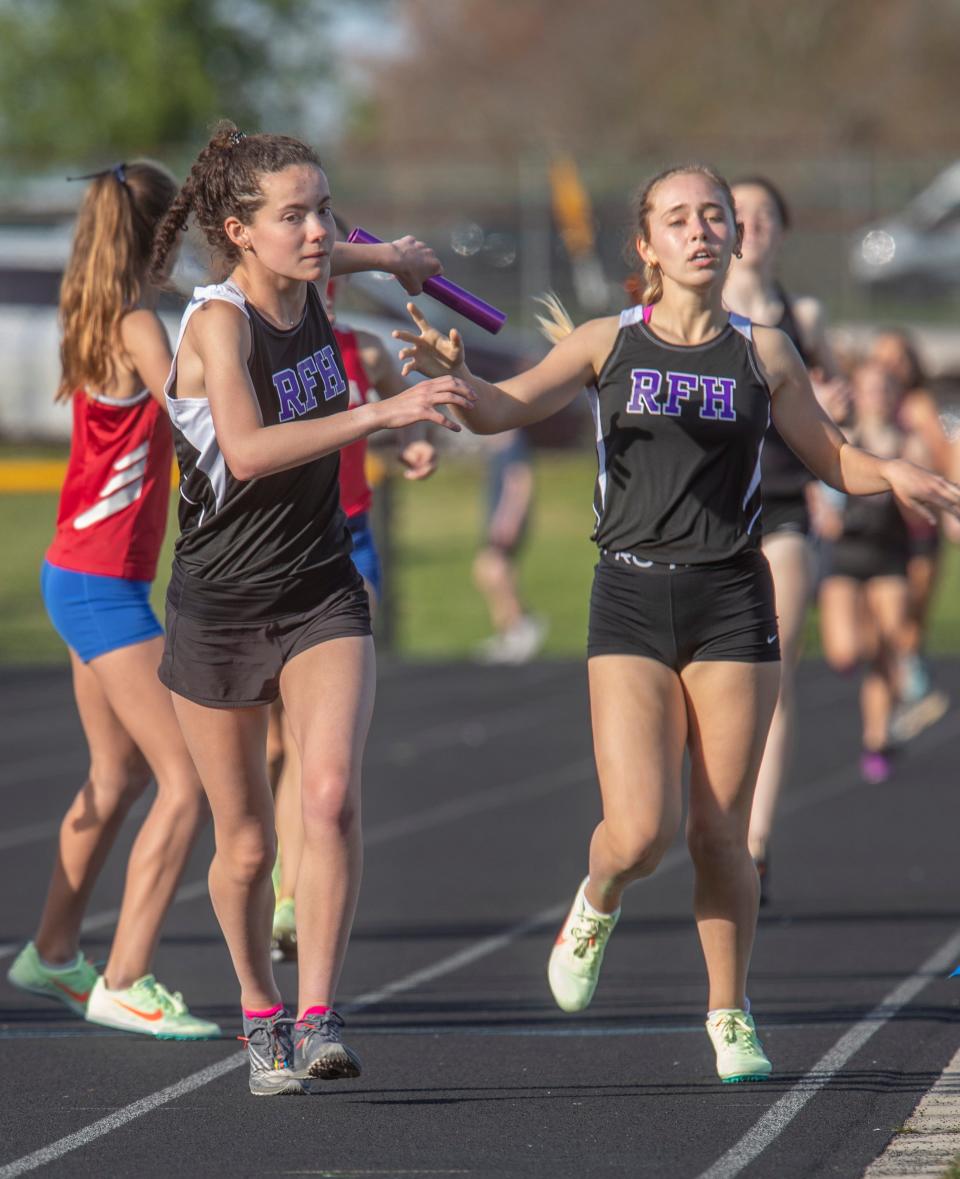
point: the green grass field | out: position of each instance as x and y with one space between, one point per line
438 614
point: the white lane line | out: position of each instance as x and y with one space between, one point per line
122 1117
472 732
481 800
56 1150
186 892
781 1114
31 833
532 1031
433 816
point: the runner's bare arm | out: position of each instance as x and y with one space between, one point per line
220 337
524 399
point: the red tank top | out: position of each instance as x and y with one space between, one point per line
113 504
355 494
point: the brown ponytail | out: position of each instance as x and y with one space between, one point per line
106 271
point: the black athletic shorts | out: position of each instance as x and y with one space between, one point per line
863 560
785 514
230 654
680 614
925 542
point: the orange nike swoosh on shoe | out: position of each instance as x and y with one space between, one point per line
153 1016
79 996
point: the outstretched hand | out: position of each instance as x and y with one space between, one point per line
414 263
431 352
920 491
422 402
419 458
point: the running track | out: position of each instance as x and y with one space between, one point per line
479 800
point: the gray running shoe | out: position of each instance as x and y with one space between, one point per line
270 1047
319 1052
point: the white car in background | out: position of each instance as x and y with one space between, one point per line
918 249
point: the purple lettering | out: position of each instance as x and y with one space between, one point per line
680 386
307 369
718 399
288 390
333 382
646 386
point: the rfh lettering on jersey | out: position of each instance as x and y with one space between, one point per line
295 387
658 393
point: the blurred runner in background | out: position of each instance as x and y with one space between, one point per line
921 703
518 634
864 596
753 290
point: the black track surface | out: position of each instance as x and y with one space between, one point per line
479 800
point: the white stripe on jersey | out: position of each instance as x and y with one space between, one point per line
594 398
120 490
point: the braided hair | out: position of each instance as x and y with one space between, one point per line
225 182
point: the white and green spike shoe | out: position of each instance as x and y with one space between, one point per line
149 1008
740 1056
577 954
70 984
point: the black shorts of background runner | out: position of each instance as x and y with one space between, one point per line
864 559
231 657
680 614
788 513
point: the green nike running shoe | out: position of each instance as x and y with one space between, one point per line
70 984
740 1056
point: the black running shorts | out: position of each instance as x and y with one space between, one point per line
785 514
680 614
224 658
862 559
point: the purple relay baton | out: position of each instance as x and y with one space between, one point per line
469 306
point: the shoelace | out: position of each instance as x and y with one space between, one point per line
589 932
279 1042
329 1022
169 1004
732 1025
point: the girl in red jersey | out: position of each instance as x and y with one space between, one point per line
263 598
96 585
683 651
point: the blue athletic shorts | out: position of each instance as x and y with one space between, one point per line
365 555
95 614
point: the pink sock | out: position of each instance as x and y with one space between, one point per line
268 1014
318 1010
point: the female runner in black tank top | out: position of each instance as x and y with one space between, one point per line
264 597
753 290
681 628
864 596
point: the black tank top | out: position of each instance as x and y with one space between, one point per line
272 539
679 432
875 520
783 475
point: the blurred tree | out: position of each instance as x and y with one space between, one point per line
86 79
495 78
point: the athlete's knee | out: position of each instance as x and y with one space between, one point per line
115 784
716 841
638 850
843 661
248 854
328 801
